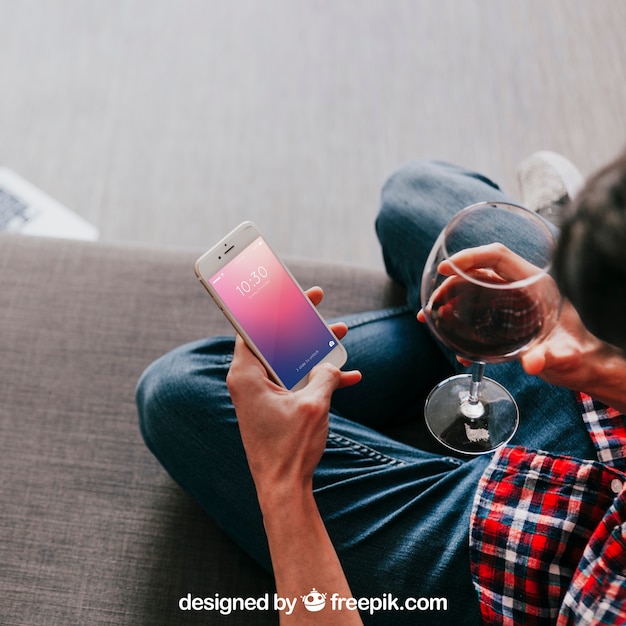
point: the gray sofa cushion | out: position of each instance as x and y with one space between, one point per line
92 530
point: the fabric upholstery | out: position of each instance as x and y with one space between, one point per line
92 530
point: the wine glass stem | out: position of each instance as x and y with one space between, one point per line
472 407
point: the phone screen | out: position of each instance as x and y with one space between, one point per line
274 312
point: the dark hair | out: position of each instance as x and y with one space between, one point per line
590 261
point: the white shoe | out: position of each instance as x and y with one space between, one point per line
548 181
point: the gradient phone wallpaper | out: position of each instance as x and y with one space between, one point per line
273 312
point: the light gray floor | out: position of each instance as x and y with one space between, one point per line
167 122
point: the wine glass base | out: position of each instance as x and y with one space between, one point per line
472 431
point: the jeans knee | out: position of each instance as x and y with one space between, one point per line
182 390
155 396
414 174
400 205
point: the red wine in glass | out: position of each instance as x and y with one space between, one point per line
480 324
486 295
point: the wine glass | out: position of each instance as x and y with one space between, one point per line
487 296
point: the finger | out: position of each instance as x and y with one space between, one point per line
323 380
534 361
339 329
349 378
326 378
452 287
495 256
315 294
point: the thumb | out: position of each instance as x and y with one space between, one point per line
534 361
323 380
326 378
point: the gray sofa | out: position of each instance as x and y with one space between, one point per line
92 530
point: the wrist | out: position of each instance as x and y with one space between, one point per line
283 493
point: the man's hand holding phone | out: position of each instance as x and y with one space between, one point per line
284 435
284 432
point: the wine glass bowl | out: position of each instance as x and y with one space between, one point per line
487 296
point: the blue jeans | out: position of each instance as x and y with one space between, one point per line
398 514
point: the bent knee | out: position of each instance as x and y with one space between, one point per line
182 389
156 396
407 194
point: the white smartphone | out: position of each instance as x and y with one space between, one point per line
267 307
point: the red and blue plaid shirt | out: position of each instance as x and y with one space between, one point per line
548 533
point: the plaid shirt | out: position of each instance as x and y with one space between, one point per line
548 533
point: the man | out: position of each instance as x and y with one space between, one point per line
327 501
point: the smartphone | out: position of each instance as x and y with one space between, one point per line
267 307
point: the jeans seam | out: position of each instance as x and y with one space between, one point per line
364 450
374 316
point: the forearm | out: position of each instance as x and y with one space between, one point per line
284 435
304 558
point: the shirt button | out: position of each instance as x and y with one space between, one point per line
616 485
